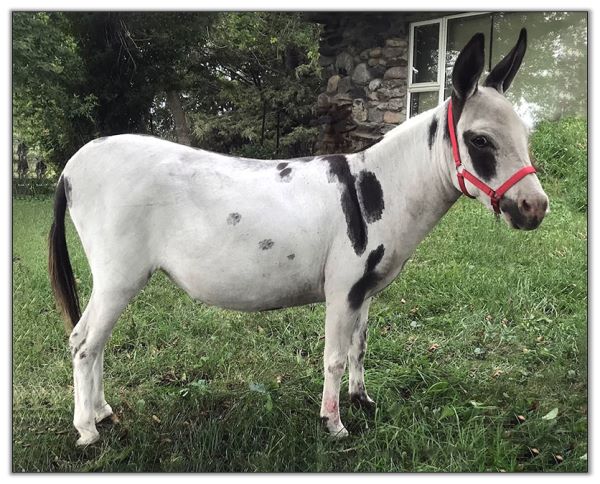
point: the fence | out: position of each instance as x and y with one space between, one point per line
29 187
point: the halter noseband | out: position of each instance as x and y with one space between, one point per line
462 172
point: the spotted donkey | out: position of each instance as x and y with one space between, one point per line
254 235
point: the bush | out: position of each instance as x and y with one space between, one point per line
560 150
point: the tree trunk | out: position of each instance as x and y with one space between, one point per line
264 118
277 139
182 130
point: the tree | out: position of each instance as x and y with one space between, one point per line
268 78
52 114
241 83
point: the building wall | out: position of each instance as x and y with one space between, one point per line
364 57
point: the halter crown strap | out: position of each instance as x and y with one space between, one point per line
462 172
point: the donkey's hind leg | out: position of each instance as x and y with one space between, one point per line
102 409
87 343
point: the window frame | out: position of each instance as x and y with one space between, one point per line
443 33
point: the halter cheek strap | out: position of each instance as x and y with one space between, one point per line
462 172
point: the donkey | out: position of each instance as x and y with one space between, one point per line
255 235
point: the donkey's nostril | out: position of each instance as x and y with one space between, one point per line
525 206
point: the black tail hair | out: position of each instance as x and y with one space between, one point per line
59 265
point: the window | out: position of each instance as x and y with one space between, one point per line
434 47
425 67
552 82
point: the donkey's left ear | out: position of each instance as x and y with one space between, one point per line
468 68
505 71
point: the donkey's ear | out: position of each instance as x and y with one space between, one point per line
468 68
504 72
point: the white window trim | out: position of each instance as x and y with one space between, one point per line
443 33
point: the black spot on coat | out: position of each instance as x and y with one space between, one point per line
368 281
281 166
356 226
266 244
285 172
432 131
483 159
234 218
291 256
371 196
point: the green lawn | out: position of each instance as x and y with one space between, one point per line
202 389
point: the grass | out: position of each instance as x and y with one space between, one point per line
471 350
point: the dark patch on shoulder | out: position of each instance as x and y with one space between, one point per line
234 218
368 281
291 256
266 244
356 226
281 166
285 172
67 185
371 196
483 159
432 131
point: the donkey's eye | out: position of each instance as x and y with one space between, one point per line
480 141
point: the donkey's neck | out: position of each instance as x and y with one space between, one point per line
412 165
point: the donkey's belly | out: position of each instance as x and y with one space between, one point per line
248 285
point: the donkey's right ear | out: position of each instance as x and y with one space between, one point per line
468 68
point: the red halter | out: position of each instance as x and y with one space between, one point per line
462 173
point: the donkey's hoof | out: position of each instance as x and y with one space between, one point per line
339 433
87 439
103 413
335 431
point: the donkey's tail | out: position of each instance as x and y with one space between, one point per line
59 265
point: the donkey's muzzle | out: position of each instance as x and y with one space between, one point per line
527 213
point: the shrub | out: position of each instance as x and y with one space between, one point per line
560 149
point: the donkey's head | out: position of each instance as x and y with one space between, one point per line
491 138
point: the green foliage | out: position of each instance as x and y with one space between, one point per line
268 78
247 82
51 111
560 148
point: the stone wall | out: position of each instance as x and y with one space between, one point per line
364 57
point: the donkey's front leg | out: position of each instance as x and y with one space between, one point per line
356 357
340 322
